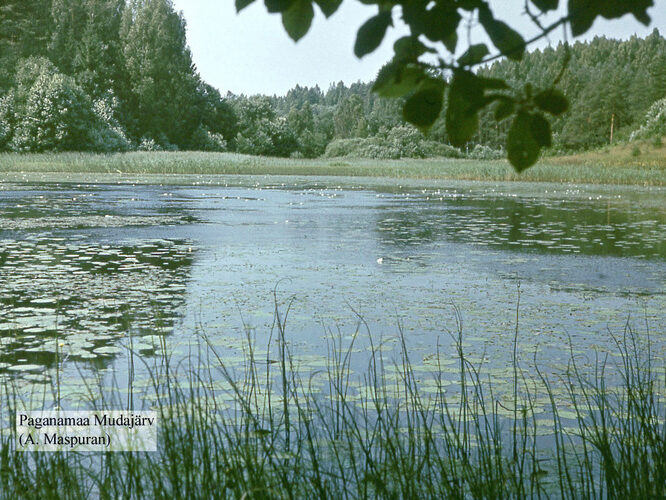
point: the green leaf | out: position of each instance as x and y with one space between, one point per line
521 146
424 107
438 24
451 42
504 109
328 7
473 87
297 19
470 5
582 14
371 34
441 22
545 5
397 80
474 55
241 4
466 98
409 49
541 131
492 83
507 40
274 6
552 100
612 9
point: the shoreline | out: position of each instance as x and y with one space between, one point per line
125 165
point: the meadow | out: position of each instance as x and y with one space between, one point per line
600 169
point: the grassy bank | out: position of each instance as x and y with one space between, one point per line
268 434
639 154
573 170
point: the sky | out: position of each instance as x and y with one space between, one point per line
250 53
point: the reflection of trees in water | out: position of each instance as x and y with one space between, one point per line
520 224
82 298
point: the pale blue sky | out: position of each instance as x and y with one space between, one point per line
250 52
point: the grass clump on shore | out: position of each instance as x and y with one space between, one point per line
199 163
263 431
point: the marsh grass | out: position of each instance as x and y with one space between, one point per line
650 154
262 430
569 169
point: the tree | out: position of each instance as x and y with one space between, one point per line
422 83
85 43
51 112
24 29
216 114
159 71
348 115
260 131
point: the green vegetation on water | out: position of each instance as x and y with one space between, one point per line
264 432
573 170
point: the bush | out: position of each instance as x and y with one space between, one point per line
311 144
269 137
49 111
29 70
654 124
398 142
256 142
205 140
7 119
56 116
482 152
108 135
149 144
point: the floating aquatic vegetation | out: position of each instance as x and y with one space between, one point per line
90 296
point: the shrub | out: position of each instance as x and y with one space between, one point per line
56 116
654 124
482 152
311 144
269 137
49 111
205 140
108 135
7 119
395 143
30 69
256 142
148 144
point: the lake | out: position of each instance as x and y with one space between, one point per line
94 264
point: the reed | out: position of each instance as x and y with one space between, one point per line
263 431
571 170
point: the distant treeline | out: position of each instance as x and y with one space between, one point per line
116 75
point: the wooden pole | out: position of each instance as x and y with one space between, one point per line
612 125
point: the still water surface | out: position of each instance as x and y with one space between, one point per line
87 264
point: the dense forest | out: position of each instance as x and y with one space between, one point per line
116 75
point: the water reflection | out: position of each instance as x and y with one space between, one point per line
83 265
69 295
544 226
78 298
